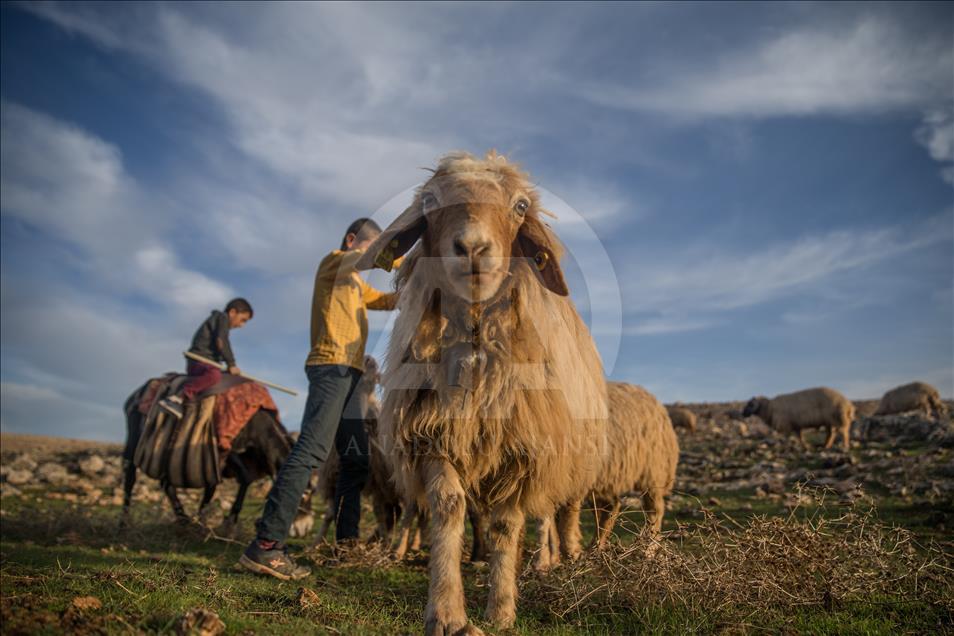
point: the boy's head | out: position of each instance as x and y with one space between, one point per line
239 312
360 234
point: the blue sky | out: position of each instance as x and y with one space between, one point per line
757 198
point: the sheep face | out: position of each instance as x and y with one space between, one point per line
472 239
476 217
755 406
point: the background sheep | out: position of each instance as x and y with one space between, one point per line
812 408
682 417
916 396
495 391
642 458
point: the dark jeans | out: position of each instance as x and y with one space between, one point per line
329 389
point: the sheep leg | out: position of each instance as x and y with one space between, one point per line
553 540
801 436
846 436
420 530
381 513
404 531
654 502
326 521
478 525
830 441
606 524
568 526
506 523
544 559
445 613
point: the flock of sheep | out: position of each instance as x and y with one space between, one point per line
496 405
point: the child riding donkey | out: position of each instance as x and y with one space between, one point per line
210 341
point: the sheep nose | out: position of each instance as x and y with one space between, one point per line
470 247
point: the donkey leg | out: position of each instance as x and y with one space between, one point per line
129 481
204 508
244 480
169 489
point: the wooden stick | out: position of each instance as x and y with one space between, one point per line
221 366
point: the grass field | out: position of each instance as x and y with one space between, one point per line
733 562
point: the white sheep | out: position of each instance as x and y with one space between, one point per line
916 396
812 408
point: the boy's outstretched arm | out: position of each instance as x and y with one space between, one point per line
221 338
377 299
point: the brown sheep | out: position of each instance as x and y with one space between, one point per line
642 459
811 408
916 396
682 417
494 388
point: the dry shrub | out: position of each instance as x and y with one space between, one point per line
767 565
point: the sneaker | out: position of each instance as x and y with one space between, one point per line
172 404
274 562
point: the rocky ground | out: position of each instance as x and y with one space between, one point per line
60 499
907 457
895 462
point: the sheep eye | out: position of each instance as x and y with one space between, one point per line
428 201
521 207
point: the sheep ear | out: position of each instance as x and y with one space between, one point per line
395 240
536 242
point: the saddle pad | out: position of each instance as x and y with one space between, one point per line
182 452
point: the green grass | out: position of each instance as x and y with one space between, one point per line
150 575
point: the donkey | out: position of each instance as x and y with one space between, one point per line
257 451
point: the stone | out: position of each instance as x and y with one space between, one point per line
53 473
200 622
92 465
18 477
23 462
8 490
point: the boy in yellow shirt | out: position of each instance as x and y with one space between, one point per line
339 331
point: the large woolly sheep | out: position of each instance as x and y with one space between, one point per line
682 417
916 396
642 457
812 408
494 388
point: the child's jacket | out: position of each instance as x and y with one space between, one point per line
211 340
339 318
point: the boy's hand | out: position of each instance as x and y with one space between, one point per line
235 371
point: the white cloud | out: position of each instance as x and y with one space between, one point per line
936 133
872 65
158 270
61 179
696 281
666 324
596 203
